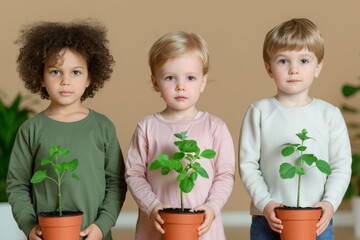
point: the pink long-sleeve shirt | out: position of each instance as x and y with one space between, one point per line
155 135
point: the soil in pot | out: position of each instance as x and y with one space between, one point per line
298 223
179 225
55 227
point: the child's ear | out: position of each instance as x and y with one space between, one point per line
88 82
268 69
318 69
154 83
204 81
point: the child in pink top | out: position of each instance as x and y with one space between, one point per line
179 65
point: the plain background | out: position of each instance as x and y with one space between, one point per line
234 31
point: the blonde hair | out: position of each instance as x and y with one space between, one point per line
295 34
174 44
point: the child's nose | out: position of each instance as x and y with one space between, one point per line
64 81
180 86
293 70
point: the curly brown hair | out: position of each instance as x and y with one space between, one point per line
43 41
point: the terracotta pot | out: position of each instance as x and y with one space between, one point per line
181 225
63 227
298 223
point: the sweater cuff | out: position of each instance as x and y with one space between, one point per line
27 224
105 223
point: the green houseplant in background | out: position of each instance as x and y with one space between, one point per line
299 222
353 124
11 118
188 169
351 114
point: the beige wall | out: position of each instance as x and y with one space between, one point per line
234 31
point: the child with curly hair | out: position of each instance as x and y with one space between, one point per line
67 63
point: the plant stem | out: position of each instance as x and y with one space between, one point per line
59 185
182 202
299 179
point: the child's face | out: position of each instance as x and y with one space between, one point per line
66 78
180 82
293 71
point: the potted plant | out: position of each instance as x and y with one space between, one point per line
185 163
293 218
60 224
353 124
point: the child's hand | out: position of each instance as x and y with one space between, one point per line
327 214
269 213
155 216
35 233
92 232
209 218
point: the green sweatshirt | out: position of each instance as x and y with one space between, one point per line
101 191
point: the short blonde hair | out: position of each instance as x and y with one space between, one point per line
174 44
296 33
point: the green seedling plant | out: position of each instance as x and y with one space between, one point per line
184 162
59 167
288 170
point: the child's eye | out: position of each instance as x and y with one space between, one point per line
169 78
55 72
191 78
283 61
76 72
304 61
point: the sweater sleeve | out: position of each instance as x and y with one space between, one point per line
249 157
116 187
136 169
224 162
339 159
18 183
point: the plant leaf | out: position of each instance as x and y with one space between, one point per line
155 165
39 176
45 161
75 176
287 151
202 172
323 166
187 185
309 158
287 171
58 168
194 176
71 166
208 153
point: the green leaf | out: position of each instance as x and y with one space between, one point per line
299 170
194 176
202 172
64 152
178 156
349 90
39 176
302 148
208 153
45 161
181 136
75 176
287 170
309 159
71 166
58 168
182 175
323 166
187 185
165 171
287 151
155 165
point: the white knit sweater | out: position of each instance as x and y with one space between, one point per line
266 126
